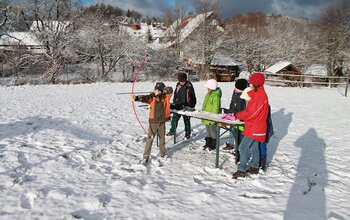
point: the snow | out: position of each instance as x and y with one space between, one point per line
54 26
219 59
278 66
156 32
73 151
193 23
23 38
317 70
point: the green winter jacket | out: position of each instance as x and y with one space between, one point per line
212 103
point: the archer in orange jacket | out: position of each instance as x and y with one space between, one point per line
159 102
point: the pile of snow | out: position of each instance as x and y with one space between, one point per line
22 38
73 151
317 70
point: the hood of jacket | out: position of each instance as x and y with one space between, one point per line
217 92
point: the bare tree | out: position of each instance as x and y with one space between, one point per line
248 40
52 21
259 40
3 16
207 39
293 40
335 35
102 43
176 16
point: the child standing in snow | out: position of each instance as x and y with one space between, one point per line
212 103
184 96
237 104
159 102
255 126
269 133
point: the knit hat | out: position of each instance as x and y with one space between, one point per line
211 84
241 84
257 78
245 95
160 86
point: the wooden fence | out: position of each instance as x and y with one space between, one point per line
308 80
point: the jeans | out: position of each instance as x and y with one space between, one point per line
248 147
175 120
263 149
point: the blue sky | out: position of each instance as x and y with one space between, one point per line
296 8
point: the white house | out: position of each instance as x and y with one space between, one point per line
141 30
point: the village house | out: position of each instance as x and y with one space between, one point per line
283 70
222 67
140 29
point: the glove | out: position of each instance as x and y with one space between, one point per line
229 116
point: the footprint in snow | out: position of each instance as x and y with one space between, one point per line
104 199
27 200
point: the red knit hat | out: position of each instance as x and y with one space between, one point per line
257 78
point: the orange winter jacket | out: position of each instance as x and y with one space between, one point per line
159 105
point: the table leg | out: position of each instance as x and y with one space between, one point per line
217 145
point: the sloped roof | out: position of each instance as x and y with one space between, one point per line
186 26
22 38
278 66
219 59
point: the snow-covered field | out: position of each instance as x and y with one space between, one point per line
72 152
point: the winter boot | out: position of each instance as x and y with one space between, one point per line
170 133
253 170
207 143
228 146
238 174
212 145
263 163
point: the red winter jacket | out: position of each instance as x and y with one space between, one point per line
255 115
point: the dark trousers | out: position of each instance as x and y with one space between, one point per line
175 120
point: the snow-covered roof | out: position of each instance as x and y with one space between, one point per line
317 70
188 25
278 66
58 26
219 59
19 38
156 32
156 45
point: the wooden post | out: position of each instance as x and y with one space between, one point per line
347 83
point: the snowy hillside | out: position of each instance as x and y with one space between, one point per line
73 151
